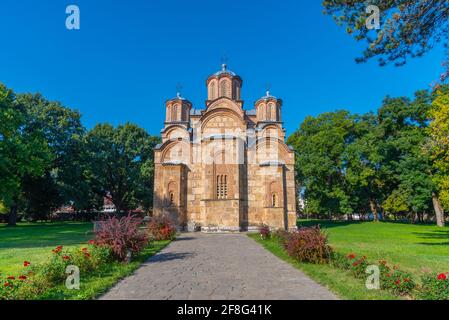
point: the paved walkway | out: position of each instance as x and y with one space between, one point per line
217 266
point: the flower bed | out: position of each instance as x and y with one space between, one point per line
117 240
309 245
34 280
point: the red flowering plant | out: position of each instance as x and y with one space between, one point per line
53 270
11 286
434 286
357 265
265 232
122 235
91 257
309 245
161 228
395 280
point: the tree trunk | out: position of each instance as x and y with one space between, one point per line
12 219
415 217
439 212
373 207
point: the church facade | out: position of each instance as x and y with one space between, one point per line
224 168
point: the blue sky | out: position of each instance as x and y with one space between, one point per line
129 56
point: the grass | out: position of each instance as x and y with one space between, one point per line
34 242
342 283
415 248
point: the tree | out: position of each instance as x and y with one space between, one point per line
23 151
409 28
120 164
320 143
404 122
363 160
62 129
439 151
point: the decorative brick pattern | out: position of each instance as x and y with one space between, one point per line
224 168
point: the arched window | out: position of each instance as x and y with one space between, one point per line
222 187
171 194
212 91
224 89
172 199
273 195
169 113
174 116
272 112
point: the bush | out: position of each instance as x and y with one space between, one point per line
161 228
395 280
308 245
265 232
357 265
122 235
434 286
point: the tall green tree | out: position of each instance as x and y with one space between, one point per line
120 164
24 151
320 144
363 161
439 150
63 131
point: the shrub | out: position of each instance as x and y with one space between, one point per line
308 245
122 235
357 265
161 228
434 286
265 232
395 280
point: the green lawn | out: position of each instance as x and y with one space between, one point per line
34 242
415 248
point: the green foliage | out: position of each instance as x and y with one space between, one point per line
367 163
120 164
48 160
434 286
23 148
396 203
409 28
439 144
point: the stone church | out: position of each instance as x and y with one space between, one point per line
224 168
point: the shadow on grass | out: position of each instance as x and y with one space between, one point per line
333 224
326 223
44 235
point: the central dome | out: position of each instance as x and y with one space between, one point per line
224 70
224 83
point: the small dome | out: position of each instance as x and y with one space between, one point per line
178 97
267 97
224 70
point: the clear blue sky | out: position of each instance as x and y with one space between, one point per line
129 56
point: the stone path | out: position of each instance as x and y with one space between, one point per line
217 266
